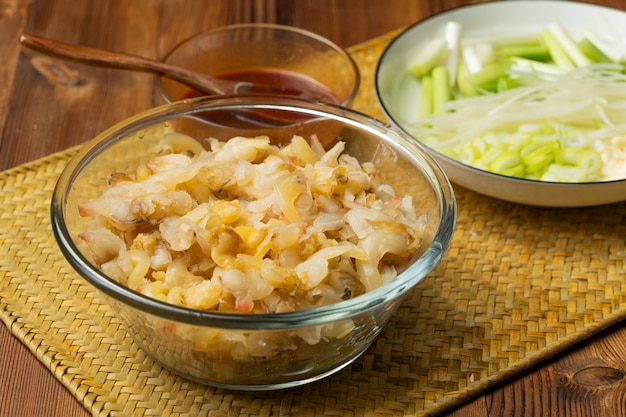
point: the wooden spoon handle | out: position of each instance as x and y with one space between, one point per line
112 59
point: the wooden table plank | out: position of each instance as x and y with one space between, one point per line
12 20
48 92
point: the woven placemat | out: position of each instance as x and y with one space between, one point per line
517 285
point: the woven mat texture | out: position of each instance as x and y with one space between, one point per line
517 285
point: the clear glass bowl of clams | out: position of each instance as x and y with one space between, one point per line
250 242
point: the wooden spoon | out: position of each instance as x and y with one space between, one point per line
100 57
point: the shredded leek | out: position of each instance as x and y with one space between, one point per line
534 130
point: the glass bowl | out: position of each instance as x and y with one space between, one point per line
299 61
255 351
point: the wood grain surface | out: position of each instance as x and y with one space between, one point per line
47 105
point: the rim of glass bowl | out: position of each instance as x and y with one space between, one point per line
314 316
293 29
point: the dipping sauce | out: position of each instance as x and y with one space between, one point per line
285 82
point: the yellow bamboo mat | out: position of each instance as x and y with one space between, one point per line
517 285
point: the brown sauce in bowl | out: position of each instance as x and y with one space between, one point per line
285 82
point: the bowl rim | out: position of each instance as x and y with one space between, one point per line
438 155
315 316
273 26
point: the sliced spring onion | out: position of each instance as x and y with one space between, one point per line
505 161
430 56
568 45
564 173
425 107
536 52
592 52
528 65
453 42
608 48
487 78
535 156
557 53
466 89
538 160
587 159
472 60
442 92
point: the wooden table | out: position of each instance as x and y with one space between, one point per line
62 105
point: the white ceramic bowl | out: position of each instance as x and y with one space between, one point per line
397 90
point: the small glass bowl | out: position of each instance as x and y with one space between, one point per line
182 339
234 50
